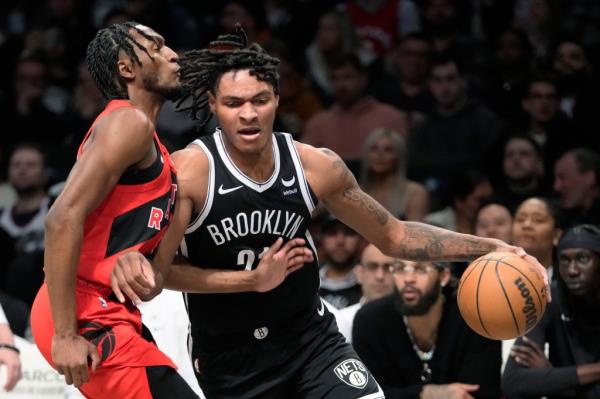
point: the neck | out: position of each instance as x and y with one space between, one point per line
525 185
411 89
545 258
338 273
148 103
424 327
464 224
29 202
451 109
537 127
258 166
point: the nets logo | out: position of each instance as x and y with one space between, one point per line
100 335
353 373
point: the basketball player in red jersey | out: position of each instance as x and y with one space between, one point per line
120 196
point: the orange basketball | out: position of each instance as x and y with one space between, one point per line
501 295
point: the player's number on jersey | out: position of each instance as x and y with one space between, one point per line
246 257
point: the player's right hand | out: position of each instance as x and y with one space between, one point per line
132 276
279 262
70 354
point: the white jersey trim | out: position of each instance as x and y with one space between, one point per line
300 172
210 193
238 174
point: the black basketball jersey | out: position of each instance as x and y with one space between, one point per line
240 220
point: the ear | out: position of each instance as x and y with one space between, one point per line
589 178
557 234
211 101
444 276
125 68
359 273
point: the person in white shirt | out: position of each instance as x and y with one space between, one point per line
373 274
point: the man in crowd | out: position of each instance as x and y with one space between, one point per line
416 343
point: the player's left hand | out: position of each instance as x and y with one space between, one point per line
132 276
501 246
279 262
10 359
530 355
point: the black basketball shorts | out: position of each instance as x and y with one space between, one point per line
310 360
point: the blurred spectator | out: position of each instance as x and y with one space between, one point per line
403 83
523 172
510 73
456 134
578 88
536 228
545 123
577 184
539 19
494 220
334 36
374 274
417 345
341 251
24 223
379 23
467 191
33 109
570 326
250 14
344 127
383 176
9 354
297 101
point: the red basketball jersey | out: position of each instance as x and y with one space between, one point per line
133 216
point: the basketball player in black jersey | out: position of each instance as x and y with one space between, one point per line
242 188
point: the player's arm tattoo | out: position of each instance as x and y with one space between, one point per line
425 242
354 193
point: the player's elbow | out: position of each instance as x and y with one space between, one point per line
58 219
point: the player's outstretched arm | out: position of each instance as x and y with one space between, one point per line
337 188
119 141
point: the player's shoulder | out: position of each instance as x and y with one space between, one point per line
126 123
314 156
190 160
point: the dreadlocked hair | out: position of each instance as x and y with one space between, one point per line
201 70
103 54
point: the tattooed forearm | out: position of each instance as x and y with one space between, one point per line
368 203
425 242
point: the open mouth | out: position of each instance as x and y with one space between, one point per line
249 131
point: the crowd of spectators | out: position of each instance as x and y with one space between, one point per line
480 116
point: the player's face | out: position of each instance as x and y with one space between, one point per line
374 274
534 228
159 72
419 285
245 108
494 221
382 156
580 270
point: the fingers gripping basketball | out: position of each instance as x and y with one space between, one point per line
501 295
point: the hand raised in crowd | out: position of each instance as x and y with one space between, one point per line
280 261
504 247
72 355
10 359
530 355
448 391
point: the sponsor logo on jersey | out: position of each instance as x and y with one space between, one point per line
353 373
266 221
224 191
288 183
290 192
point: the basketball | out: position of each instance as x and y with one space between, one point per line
501 296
